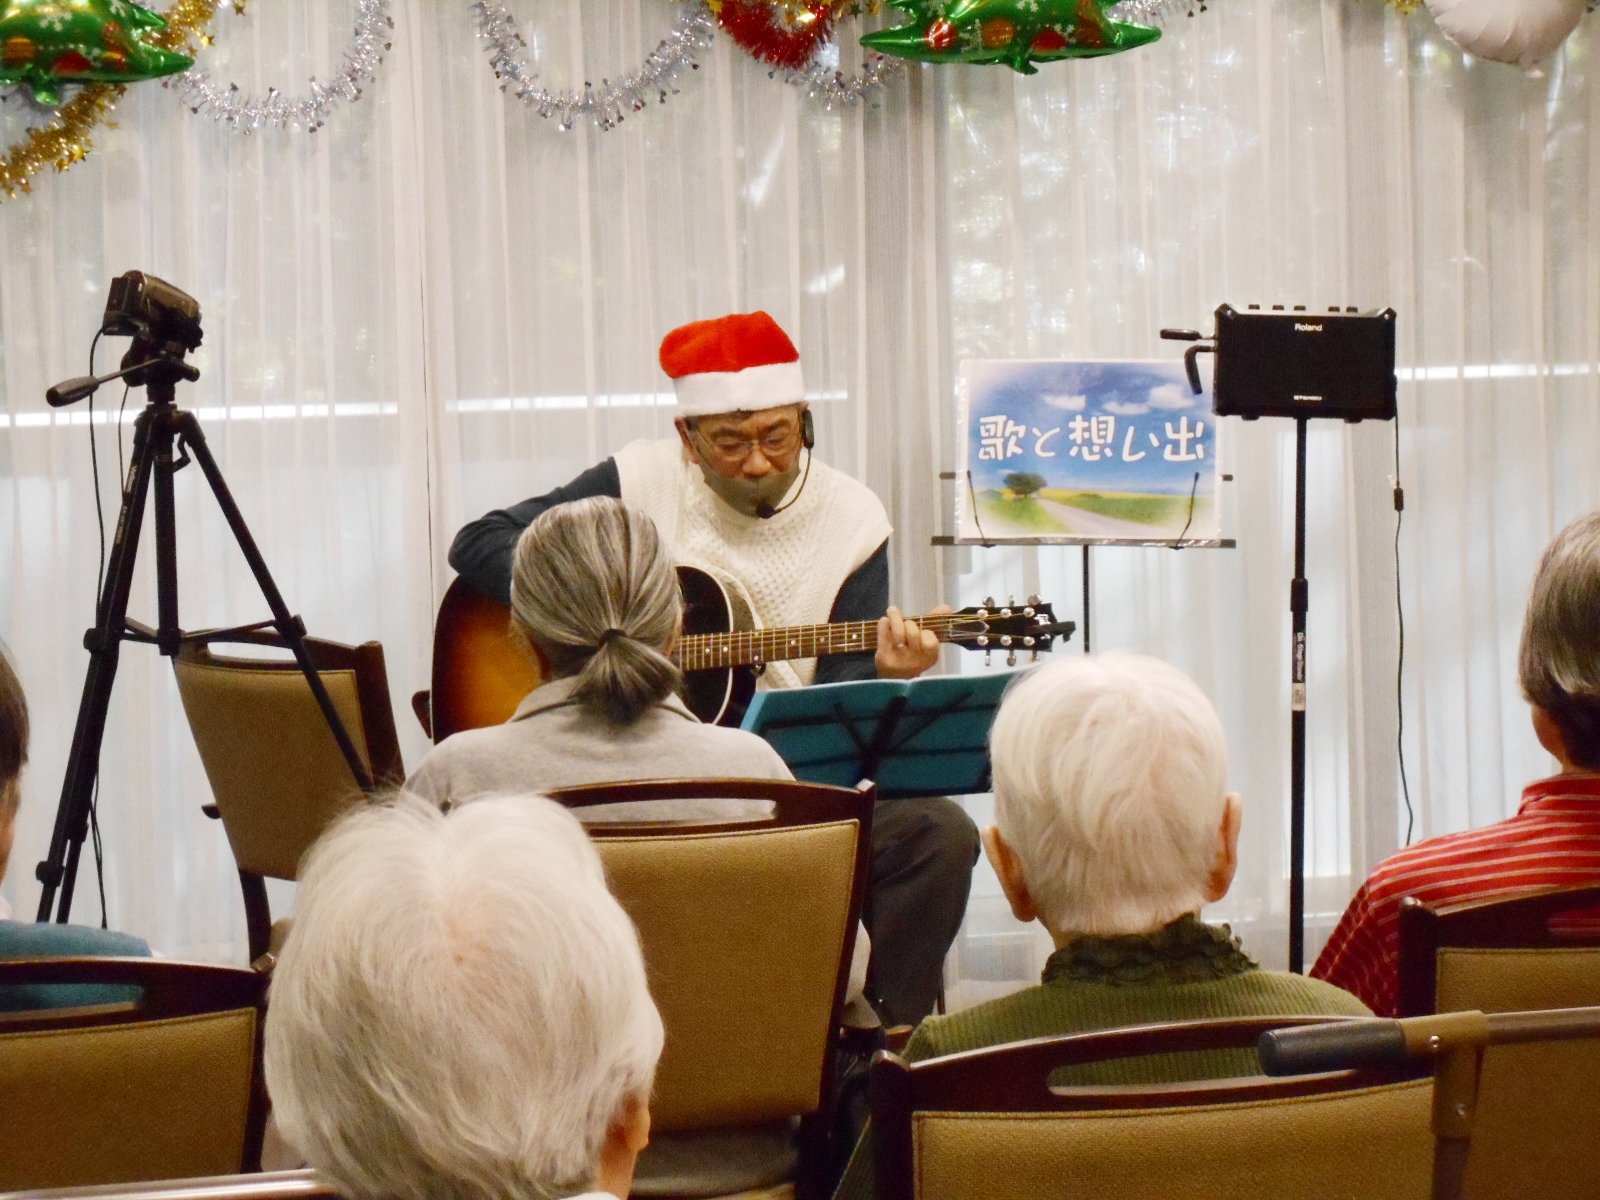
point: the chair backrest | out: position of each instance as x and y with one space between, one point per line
263 1185
276 773
747 928
988 1124
1538 1111
164 1087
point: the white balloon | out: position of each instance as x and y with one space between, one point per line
1521 32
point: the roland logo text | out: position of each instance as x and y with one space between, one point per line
1307 327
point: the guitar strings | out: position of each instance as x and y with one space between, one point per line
715 649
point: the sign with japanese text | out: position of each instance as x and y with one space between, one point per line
1079 450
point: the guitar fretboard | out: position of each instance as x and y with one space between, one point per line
741 647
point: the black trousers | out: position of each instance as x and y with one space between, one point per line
923 851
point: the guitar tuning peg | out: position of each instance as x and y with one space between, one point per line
1033 600
1011 658
988 657
1011 601
988 601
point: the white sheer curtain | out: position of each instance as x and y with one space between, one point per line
439 304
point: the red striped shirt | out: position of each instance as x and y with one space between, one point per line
1553 841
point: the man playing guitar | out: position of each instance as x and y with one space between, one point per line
739 494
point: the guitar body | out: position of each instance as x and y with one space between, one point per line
480 674
718 695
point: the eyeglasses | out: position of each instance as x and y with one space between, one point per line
776 444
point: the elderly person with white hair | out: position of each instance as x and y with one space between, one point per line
1113 828
461 1011
1553 839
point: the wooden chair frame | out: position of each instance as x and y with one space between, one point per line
1015 1078
167 989
1518 921
380 742
266 1185
795 804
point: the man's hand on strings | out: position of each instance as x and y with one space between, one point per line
905 649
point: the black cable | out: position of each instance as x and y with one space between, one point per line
122 471
1400 662
972 494
99 590
1194 488
99 850
99 511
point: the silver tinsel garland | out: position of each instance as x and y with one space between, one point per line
1155 13
823 81
609 103
228 104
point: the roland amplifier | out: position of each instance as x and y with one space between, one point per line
1303 364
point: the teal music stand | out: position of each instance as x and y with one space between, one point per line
917 737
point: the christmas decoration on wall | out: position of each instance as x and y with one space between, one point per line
824 83
781 33
45 44
1521 32
66 140
244 113
1018 33
613 100
1159 13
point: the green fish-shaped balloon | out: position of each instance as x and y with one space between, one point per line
47 43
1018 33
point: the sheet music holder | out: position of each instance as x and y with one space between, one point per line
912 737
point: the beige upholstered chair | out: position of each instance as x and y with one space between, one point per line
266 1185
987 1125
1538 1112
747 928
163 1087
276 773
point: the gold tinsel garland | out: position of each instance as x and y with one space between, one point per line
65 140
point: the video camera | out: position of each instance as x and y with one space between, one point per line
142 306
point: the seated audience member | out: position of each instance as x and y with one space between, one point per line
1113 827
28 939
594 599
1554 838
461 1010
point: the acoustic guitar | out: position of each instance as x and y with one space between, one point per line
480 675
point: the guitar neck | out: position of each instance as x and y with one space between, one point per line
743 647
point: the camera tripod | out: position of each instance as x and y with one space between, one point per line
164 439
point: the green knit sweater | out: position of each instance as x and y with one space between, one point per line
1185 972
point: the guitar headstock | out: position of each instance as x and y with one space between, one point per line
1030 628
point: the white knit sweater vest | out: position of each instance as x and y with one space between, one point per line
789 568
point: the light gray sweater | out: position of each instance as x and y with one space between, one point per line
554 742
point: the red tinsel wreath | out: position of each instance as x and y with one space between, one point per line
761 30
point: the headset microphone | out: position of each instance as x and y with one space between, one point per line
808 439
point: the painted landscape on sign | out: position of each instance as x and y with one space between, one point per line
1097 450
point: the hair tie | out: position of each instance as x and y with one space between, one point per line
609 635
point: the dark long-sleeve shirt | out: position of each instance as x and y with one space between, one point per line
482 552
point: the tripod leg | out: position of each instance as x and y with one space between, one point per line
288 625
104 643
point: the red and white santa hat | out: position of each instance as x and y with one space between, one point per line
739 363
